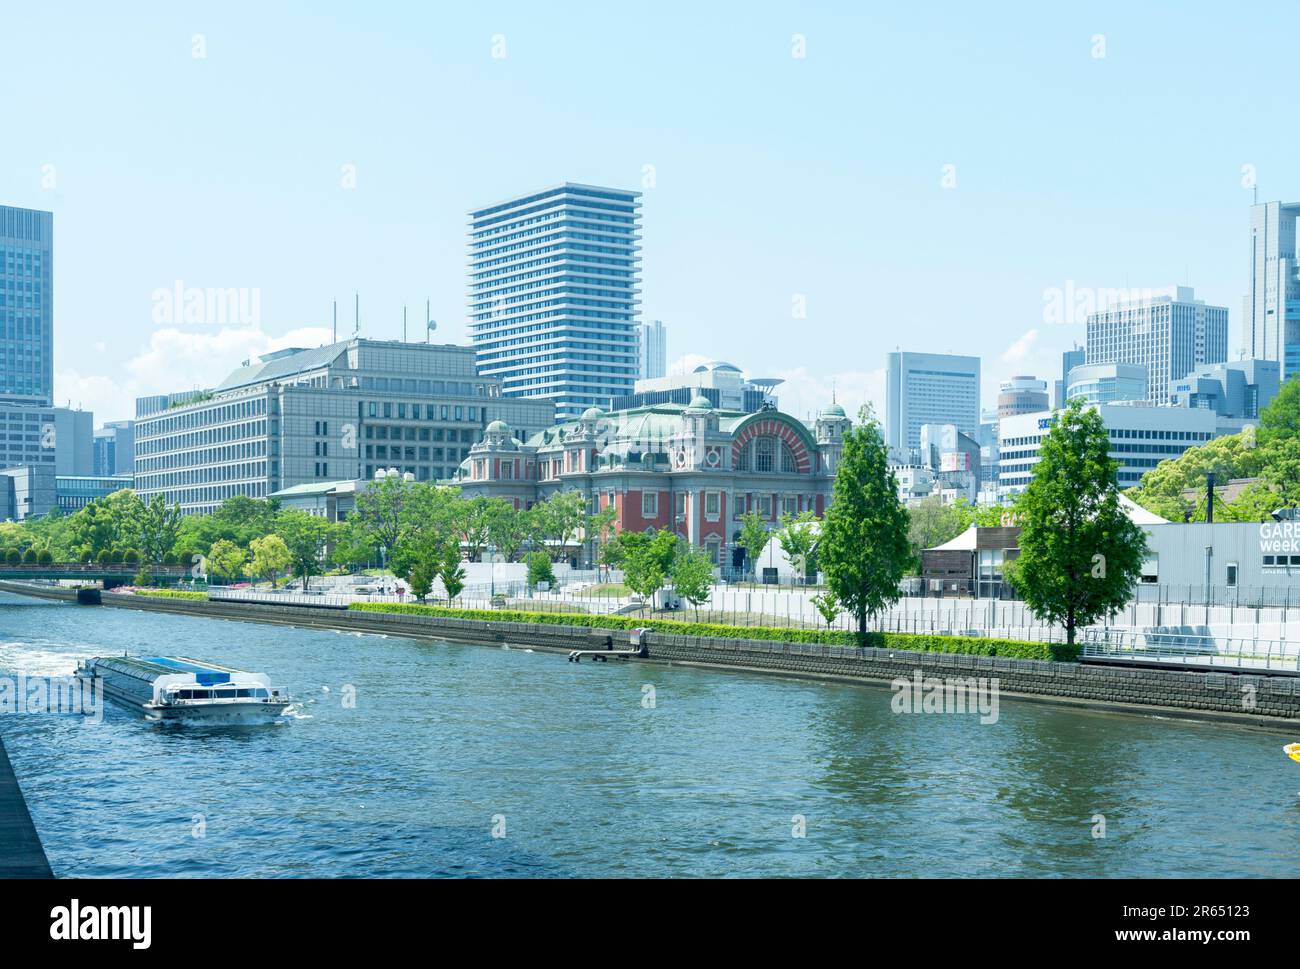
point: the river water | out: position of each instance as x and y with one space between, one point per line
463 760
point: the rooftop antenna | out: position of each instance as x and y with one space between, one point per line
403 322
357 312
336 321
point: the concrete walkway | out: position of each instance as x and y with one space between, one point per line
21 854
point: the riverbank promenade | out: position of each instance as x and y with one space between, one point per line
21 853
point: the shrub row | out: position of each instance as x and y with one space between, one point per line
972 645
171 594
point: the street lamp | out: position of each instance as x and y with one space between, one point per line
492 561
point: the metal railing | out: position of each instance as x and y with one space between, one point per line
1173 647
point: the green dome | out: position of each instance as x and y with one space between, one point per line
699 402
834 410
498 427
592 414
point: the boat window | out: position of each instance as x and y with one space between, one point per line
224 694
260 694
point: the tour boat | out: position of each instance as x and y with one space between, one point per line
180 688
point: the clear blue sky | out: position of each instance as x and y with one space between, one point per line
776 176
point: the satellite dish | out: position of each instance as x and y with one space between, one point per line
431 325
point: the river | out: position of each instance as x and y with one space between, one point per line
459 760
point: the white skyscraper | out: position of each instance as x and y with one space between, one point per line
1270 322
553 294
1167 331
929 388
652 349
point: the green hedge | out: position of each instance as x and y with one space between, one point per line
973 645
171 594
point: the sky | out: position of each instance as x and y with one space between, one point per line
822 182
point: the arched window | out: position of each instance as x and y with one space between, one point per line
764 454
788 463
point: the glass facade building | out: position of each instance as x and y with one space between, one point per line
1169 332
553 295
1271 312
929 388
26 306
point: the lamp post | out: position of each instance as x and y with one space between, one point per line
492 571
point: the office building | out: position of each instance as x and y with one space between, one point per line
1271 310
1022 395
652 350
722 384
1108 383
114 448
1070 359
26 306
929 388
553 298
60 438
302 416
27 492
1140 438
1238 389
74 492
1166 331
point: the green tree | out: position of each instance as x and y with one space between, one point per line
827 606
308 539
226 559
156 527
864 549
1162 488
1080 554
507 527
754 536
647 561
1279 443
270 557
539 568
452 571
692 576
931 523
557 521
798 538
421 579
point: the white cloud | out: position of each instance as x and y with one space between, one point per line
805 394
1021 348
176 359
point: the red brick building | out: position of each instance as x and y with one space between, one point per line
691 469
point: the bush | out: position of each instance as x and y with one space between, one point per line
87 557
131 556
171 594
104 557
971 645
169 559
116 556
142 578
29 557
13 556
45 557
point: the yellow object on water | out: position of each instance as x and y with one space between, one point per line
1292 751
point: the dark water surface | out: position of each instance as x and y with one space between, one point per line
448 740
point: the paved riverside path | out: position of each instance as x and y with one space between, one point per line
21 854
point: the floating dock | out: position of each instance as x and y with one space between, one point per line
21 852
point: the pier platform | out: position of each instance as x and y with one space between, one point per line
21 852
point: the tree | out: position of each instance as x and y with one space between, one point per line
471 523
270 557
1161 489
931 523
798 538
307 537
507 527
157 527
452 571
754 537
1279 443
539 568
421 579
225 559
693 576
647 561
864 549
827 606
1080 554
